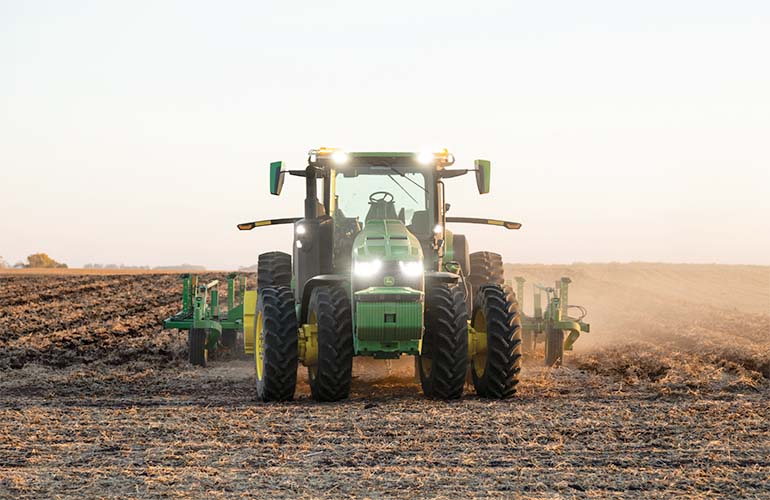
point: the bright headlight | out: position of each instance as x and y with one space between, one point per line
411 268
365 269
340 157
426 157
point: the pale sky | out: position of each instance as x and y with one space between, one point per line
141 132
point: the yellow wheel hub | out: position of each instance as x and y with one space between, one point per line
259 345
308 343
477 343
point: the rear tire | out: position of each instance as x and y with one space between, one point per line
330 377
196 340
443 360
275 349
486 269
554 347
496 374
273 269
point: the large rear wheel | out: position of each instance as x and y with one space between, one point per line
330 315
273 269
275 344
486 269
443 358
495 372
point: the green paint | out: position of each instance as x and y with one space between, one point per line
483 174
201 308
276 177
386 240
555 314
387 350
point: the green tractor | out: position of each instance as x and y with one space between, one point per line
375 272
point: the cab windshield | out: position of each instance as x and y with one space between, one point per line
388 194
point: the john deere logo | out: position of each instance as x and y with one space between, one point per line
390 281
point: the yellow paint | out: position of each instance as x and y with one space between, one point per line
249 313
477 343
259 348
495 222
308 342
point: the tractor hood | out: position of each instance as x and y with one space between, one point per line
386 240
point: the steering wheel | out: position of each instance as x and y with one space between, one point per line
384 196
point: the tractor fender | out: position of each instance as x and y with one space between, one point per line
434 277
316 281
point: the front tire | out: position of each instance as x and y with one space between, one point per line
329 310
275 344
443 358
495 373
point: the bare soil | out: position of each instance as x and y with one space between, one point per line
667 396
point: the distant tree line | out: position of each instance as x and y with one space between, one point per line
180 267
42 260
36 260
113 266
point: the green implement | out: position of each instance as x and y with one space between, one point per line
550 325
207 326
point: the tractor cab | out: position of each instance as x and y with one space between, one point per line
356 188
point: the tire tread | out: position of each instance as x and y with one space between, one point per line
280 344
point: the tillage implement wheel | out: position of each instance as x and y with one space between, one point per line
554 347
196 340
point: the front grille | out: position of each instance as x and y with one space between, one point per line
388 321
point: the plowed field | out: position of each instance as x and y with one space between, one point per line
669 395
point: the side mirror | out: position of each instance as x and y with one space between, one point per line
276 177
483 172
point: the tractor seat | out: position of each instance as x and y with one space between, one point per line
381 210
